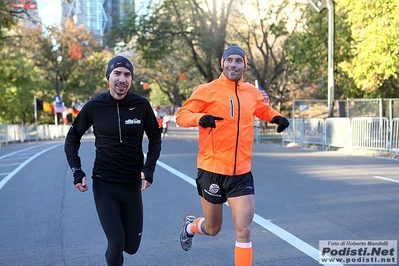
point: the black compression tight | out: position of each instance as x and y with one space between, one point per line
120 210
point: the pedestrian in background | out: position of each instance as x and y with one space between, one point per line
165 124
119 119
160 123
224 110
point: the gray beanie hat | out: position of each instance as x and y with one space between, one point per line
119 61
234 49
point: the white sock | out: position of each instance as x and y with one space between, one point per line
243 245
190 233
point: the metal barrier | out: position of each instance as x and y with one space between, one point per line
394 135
265 131
357 123
293 134
371 133
338 132
14 133
310 131
313 131
24 133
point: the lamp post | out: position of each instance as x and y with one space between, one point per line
319 5
57 98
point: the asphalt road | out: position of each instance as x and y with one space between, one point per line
302 197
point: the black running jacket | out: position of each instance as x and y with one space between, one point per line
119 127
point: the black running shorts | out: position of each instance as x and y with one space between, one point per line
217 188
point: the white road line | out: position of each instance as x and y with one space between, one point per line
281 233
18 151
177 173
387 179
9 164
22 165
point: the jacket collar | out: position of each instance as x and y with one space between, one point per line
224 79
113 100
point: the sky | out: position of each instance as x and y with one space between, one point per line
49 11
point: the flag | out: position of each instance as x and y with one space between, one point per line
44 106
265 96
75 112
60 109
267 99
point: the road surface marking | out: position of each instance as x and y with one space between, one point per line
387 179
22 165
281 233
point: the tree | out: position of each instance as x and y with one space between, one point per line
28 63
7 17
263 35
196 28
10 16
192 36
187 35
17 89
78 78
375 43
307 50
19 81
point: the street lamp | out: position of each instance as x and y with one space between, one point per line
319 5
57 98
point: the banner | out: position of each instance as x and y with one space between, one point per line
59 108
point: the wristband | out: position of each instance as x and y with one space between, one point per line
75 169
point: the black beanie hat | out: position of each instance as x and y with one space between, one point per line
234 49
118 61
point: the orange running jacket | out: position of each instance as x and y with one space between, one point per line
226 149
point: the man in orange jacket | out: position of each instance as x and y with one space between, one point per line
224 110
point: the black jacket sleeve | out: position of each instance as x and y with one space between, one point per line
72 141
153 133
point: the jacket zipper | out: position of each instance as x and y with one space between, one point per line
231 107
238 127
119 122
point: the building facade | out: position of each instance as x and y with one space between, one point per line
98 16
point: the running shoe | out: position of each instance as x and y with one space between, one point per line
185 240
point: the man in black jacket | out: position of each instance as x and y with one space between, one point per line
119 119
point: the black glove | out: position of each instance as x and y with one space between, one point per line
208 121
78 176
282 123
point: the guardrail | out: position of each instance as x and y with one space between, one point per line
394 135
371 133
25 133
